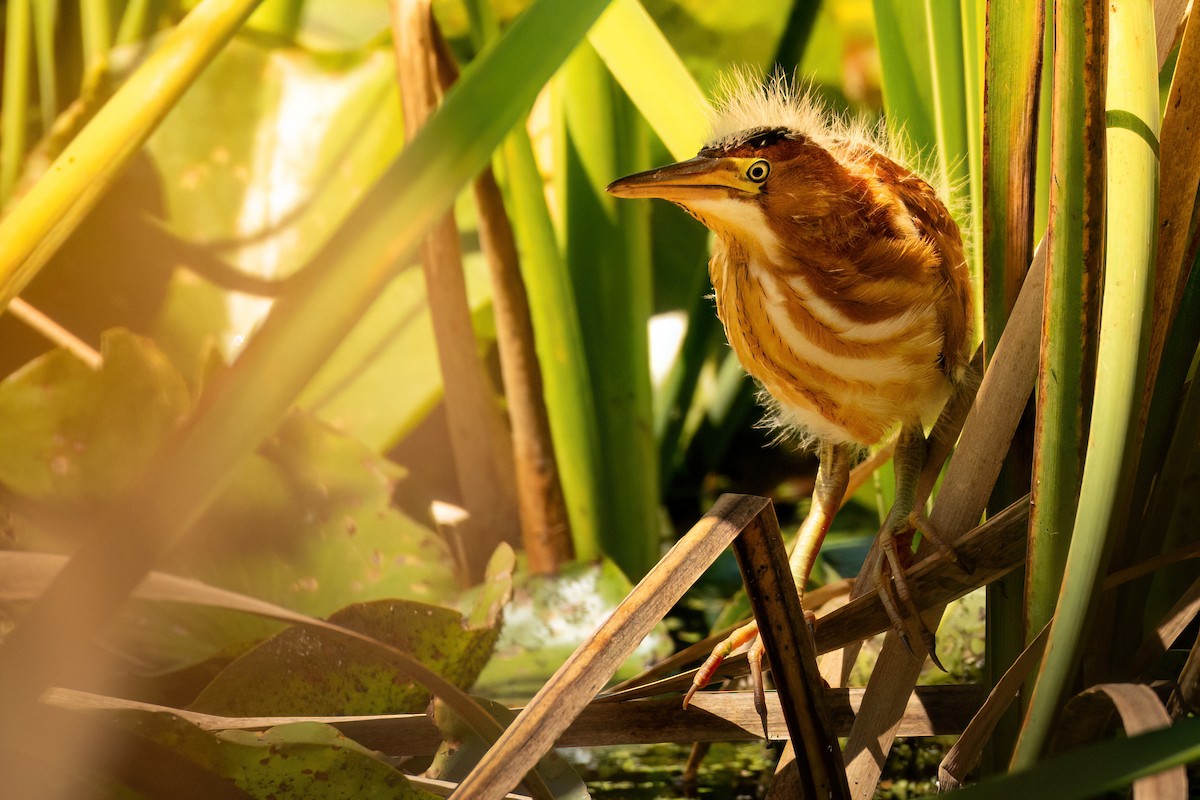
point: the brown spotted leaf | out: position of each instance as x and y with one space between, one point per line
287 762
306 672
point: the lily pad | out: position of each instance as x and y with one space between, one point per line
308 672
306 522
266 180
73 435
298 760
261 185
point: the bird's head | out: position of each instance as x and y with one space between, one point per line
773 176
775 158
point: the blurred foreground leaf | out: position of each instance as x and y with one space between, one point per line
74 436
298 760
306 522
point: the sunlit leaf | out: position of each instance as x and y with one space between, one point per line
263 182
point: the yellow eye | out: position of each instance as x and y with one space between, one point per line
758 171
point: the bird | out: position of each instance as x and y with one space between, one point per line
840 278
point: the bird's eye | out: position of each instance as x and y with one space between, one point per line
758 171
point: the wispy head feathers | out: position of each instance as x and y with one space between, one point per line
747 104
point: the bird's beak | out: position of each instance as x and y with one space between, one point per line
692 179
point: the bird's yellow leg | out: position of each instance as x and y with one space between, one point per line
833 474
908 461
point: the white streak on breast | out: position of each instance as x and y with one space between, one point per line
852 330
868 370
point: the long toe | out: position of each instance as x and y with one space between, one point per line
918 521
755 658
891 586
719 654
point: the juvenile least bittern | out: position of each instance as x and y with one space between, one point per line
840 280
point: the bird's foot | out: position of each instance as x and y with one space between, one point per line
754 657
891 586
891 583
918 521
735 640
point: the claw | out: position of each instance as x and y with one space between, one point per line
906 516
931 647
891 572
755 657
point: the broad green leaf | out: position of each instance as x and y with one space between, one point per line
75 437
305 522
297 761
28 574
267 201
327 536
303 672
309 671
263 182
